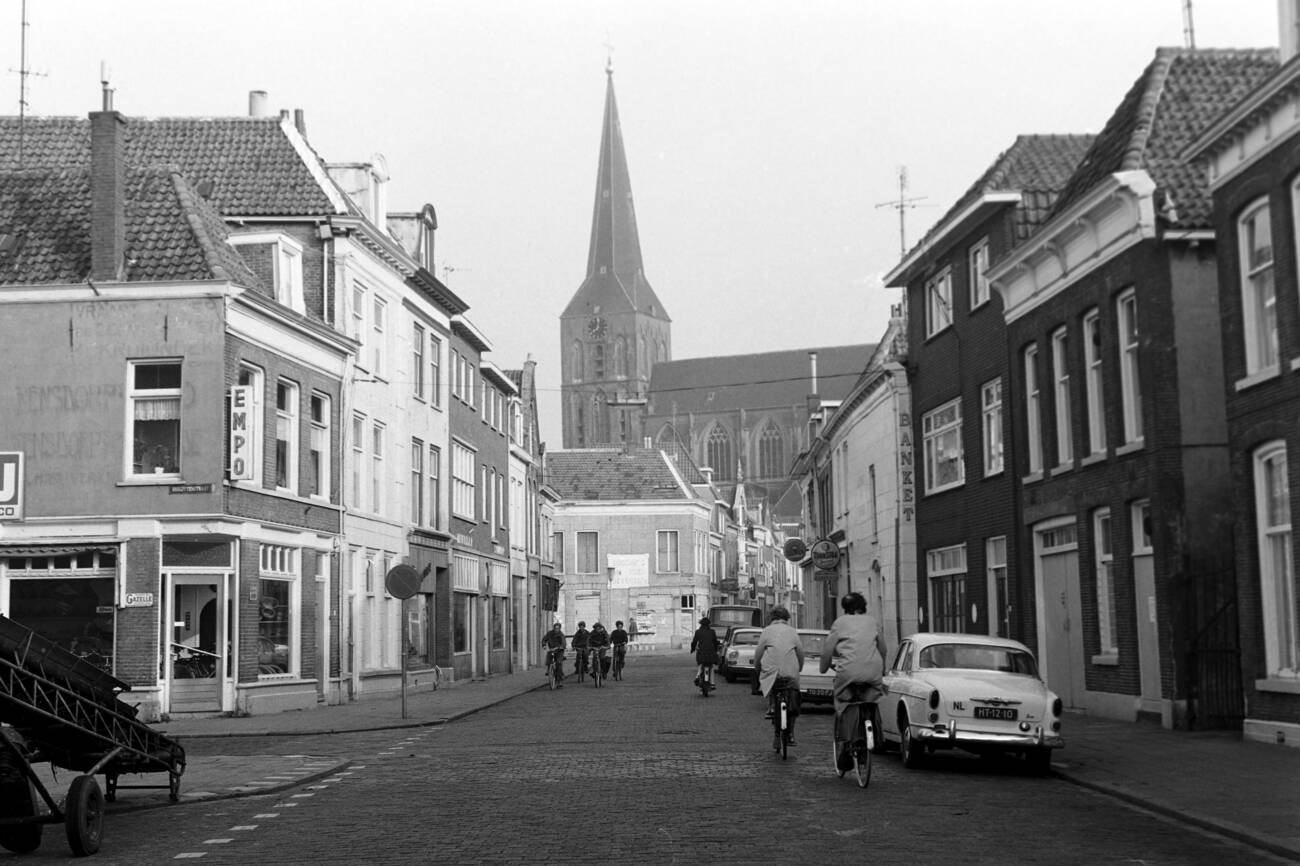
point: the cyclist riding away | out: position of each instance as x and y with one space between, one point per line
579 643
856 649
618 639
598 642
780 645
554 643
705 646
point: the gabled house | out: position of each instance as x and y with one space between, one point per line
1253 167
638 538
1115 398
177 426
962 492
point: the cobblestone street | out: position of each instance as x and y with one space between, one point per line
644 770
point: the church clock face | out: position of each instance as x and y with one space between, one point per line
596 328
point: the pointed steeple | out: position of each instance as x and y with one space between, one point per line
615 279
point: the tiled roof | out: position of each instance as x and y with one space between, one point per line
1181 91
171 233
607 474
250 163
757 381
1036 166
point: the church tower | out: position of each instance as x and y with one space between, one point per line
614 330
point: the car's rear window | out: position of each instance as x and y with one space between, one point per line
744 638
812 644
978 658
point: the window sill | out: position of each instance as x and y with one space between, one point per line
1099 457
1062 468
1259 376
1295 364
1032 477
1276 684
1106 659
944 489
150 481
1130 448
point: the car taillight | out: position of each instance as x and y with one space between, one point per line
1056 707
934 699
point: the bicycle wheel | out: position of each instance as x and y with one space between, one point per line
550 675
862 749
596 675
784 716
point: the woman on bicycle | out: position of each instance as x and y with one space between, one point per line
705 646
554 643
598 643
618 639
855 648
780 645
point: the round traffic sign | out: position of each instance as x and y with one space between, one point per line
825 555
402 581
794 549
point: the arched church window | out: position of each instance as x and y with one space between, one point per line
662 353
579 420
718 448
771 454
575 361
620 357
598 361
599 419
666 440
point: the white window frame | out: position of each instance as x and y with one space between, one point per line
667 552
462 480
1277 575
287 423
358 314
417 482
1258 291
434 472
977 262
991 410
1130 377
578 564
1033 410
945 565
938 302
136 399
1061 394
286 265
378 431
320 442
1104 570
283 565
996 577
379 325
939 426
435 371
1094 382
417 360
358 487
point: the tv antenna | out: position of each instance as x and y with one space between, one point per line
23 74
902 204
1189 28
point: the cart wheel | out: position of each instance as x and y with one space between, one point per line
174 780
84 820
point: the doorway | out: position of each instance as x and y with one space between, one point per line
195 643
1060 636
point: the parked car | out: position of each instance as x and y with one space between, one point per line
814 686
972 692
738 653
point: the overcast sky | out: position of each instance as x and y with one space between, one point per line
764 139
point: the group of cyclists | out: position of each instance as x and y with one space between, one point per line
597 642
854 647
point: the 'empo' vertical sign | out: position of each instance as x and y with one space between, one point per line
242 425
11 485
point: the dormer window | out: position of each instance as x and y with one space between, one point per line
277 258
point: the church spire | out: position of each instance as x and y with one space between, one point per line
615 244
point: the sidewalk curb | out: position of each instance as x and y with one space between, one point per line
1214 825
118 807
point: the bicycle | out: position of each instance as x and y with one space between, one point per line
580 663
856 733
705 679
554 663
783 710
620 655
597 666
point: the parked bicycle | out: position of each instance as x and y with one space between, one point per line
783 709
857 733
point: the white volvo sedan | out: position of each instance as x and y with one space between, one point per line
972 692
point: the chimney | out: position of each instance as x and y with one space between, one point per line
300 122
107 196
257 103
812 364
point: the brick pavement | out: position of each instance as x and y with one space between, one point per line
1244 790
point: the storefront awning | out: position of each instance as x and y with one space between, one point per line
54 549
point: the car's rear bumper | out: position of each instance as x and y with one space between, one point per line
953 736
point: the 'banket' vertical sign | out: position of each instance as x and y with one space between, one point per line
242 425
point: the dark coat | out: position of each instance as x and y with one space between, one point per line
705 645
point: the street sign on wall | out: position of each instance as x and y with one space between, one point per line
11 485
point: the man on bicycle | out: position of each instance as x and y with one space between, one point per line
554 643
856 649
618 639
580 647
779 643
598 643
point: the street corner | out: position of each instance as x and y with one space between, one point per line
227 776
